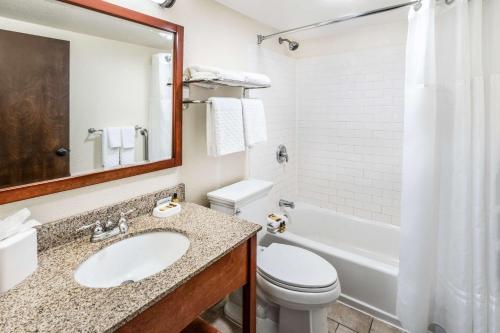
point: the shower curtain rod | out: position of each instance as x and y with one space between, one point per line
261 38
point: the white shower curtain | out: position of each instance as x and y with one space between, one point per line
160 108
450 254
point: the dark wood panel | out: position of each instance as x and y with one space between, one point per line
178 309
22 192
249 290
200 326
34 108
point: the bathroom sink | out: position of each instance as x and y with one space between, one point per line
132 259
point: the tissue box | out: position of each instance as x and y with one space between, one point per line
18 258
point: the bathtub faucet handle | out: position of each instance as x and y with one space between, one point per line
286 203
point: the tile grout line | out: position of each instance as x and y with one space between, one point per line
371 324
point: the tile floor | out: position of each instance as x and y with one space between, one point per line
341 319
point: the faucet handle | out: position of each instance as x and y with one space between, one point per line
97 224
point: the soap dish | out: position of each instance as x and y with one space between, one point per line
167 210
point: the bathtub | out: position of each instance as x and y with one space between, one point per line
364 253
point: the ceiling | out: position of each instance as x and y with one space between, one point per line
286 14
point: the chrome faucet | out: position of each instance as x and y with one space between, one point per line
110 229
286 203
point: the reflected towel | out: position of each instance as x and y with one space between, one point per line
127 149
111 142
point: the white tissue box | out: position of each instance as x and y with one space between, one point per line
18 258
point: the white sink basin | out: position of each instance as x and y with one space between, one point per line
132 259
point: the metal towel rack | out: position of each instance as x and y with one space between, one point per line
142 130
99 131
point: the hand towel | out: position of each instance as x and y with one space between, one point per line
254 121
127 149
111 143
224 126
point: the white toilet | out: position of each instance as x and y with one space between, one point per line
294 286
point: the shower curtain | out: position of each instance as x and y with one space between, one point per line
450 254
160 108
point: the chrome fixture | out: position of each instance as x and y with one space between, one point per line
110 229
99 131
292 46
417 3
286 203
145 133
142 130
282 154
165 3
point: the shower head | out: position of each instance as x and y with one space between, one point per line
165 3
292 46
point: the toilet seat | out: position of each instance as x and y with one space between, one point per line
296 269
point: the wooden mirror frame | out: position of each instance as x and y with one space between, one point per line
21 192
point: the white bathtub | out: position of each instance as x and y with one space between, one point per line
364 253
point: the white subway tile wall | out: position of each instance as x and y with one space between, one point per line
280 105
350 131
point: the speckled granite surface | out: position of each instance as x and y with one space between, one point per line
52 301
64 230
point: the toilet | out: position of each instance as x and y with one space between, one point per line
295 286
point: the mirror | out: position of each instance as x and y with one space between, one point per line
83 92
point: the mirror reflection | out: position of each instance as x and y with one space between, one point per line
80 92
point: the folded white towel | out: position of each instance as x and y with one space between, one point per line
224 126
199 72
127 149
257 78
111 142
254 121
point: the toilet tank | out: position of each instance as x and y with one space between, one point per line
247 199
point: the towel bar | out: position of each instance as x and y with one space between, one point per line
196 101
99 131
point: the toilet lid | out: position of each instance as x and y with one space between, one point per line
297 267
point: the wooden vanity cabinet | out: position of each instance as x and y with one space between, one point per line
181 307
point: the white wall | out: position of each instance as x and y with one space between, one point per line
280 106
350 122
214 35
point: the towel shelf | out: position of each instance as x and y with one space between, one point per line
213 84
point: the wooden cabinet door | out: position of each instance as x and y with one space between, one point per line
34 108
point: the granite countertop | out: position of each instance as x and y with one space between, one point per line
50 300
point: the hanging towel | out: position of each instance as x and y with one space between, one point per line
111 143
224 126
127 149
254 121
160 108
